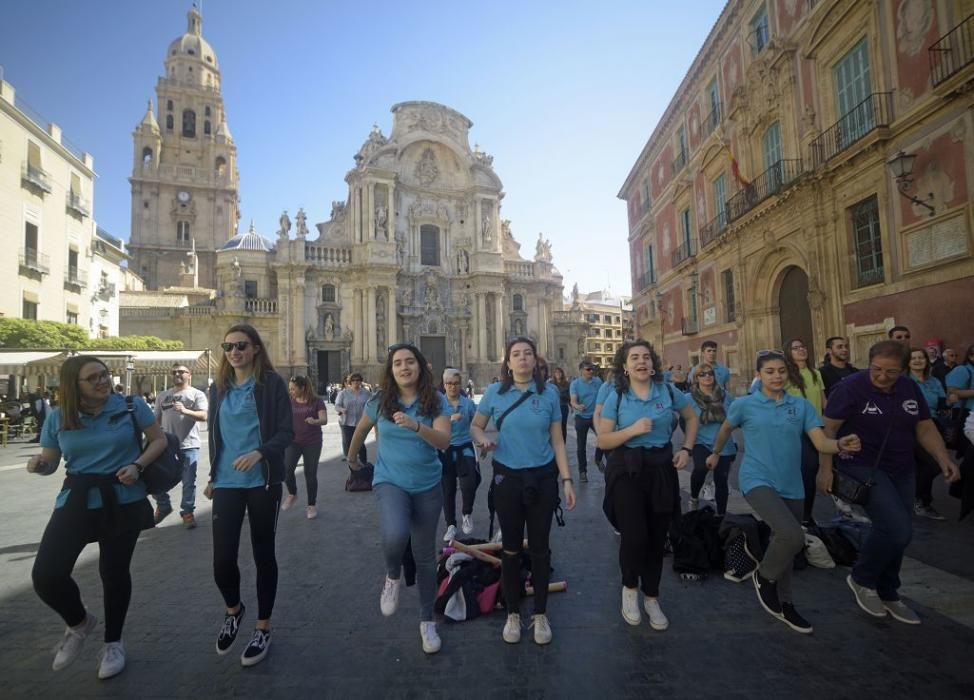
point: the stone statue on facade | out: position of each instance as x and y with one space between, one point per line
485 229
463 261
401 248
349 335
575 293
542 251
381 221
407 297
432 293
337 210
302 225
285 223
329 327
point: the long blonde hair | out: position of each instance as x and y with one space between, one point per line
262 362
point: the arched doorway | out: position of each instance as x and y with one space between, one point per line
794 316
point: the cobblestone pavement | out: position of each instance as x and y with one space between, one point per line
331 641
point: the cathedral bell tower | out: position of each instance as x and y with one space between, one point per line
184 175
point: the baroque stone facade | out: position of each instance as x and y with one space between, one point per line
763 208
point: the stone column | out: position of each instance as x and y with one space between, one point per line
370 325
542 322
481 327
298 344
499 325
370 213
358 328
392 336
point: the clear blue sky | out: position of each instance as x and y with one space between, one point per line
563 94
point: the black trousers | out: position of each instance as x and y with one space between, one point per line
525 498
261 506
582 426
347 432
927 471
468 487
60 547
310 454
809 471
564 422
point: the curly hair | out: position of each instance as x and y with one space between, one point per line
619 375
507 377
428 397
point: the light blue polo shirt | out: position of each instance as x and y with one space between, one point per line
460 430
772 441
932 390
405 459
962 377
104 444
585 393
604 391
240 433
721 374
525 437
707 432
658 407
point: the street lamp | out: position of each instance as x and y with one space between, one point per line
209 380
901 166
129 370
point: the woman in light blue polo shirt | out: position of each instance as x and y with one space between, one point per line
459 460
927 467
773 422
529 454
413 421
103 500
710 402
641 487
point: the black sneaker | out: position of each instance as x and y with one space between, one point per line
257 649
791 618
583 477
767 594
228 633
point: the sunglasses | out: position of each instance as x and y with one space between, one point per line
770 353
240 345
97 378
401 346
707 373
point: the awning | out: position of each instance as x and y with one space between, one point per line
32 363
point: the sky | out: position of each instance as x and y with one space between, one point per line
563 95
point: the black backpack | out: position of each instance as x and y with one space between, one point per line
696 542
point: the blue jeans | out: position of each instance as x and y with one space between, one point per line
890 507
191 456
411 519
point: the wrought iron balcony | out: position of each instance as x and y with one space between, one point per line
33 175
647 279
31 260
73 277
713 229
772 181
680 162
689 326
864 278
872 113
711 121
106 291
952 52
78 204
684 252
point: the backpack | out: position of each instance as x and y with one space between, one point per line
361 479
696 543
167 469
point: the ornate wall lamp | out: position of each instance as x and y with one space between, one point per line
902 167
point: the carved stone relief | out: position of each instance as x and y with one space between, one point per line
914 18
426 170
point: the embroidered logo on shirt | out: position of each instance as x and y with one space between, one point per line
792 414
911 407
871 409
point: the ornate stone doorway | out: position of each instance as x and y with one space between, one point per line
434 348
794 314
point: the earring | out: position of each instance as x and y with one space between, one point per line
652 373
510 372
625 372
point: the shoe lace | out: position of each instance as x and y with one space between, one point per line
259 639
111 653
540 623
514 620
229 626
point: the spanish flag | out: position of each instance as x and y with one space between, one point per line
736 171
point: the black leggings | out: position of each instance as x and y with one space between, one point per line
699 475
564 422
582 426
515 510
261 506
927 471
809 472
310 454
643 529
60 548
468 488
347 432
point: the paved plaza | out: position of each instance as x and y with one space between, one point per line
331 641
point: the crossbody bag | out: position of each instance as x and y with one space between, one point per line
850 489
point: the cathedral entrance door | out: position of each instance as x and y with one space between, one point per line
329 367
794 316
434 348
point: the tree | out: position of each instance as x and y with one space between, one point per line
51 335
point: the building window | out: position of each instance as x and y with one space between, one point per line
328 295
759 30
713 94
189 123
29 310
852 87
146 155
206 111
429 240
867 242
561 353
650 266
182 231
685 228
647 199
220 165
727 282
206 127
30 243
607 318
168 122
518 302
169 105
771 144
720 201
72 265
608 347
250 289
71 317
598 347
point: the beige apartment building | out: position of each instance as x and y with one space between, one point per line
46 200
609 326
812 176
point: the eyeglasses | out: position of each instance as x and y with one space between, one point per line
891 373
770 353
798 347
705 373
240 345
98 378
451 383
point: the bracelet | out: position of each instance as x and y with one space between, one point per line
418 426
568 480
689 450
138 466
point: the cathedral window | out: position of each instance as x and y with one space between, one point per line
146 155
206 127
182 231
250 289
328 293
169 105
429 239
518 302
189 123
168 122
220 165
207 112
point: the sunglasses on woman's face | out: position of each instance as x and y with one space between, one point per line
240 345
705 374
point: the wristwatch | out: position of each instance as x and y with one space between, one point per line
140 467
687 449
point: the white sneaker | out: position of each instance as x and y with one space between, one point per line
657 620
389 601
288 501
542 630
512 629
467 524
112 660
69 647
312 512
431 640
630 606
450 534
708 492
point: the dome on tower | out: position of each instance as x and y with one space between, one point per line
192 42
248 241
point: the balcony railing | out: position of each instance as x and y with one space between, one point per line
689 326
37 262
711 121
772 181
106 291
952 52
35 176
684 252
78 204
519 269
872 113
74 277
261 306
327 256
712 230
644 280
864 278
680 162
